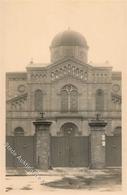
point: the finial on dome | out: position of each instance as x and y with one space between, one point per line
69 28
106 62
31 61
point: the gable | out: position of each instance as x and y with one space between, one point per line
69 68
69 60
17 103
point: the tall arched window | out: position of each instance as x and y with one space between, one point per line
74 100
64 101
69 98
99 100
19 131
38 100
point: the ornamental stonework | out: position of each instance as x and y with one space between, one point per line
70 70
38 76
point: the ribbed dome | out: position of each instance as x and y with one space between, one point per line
69 38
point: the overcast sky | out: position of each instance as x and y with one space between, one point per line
28 27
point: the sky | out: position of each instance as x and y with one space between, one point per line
28 27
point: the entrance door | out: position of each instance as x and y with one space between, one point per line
69 149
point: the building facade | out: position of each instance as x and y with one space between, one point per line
70 92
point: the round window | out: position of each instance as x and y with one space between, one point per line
21 88
115 87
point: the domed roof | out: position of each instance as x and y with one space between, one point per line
69 38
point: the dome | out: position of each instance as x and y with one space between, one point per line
69 38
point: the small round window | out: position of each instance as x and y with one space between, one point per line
21 88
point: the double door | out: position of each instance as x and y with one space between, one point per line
70 151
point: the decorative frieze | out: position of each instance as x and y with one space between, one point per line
38 75
116 98
69 70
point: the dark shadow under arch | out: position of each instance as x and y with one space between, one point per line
19 131
69 129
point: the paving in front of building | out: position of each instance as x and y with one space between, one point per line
80 106
62 179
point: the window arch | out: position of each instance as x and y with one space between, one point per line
69 98
99 100
69 129
19 131
38 100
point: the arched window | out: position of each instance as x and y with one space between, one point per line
64 101
74 100
99 100
19 131
38 100
69 98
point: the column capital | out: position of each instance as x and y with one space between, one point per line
97 123
41 123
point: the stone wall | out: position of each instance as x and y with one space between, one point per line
97 150
43 149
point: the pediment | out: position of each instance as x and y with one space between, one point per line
69 68
17 103
17 99
71 61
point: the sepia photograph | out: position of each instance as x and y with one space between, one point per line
63 62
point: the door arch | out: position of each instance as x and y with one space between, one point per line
69 129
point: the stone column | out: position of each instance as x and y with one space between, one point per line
42 134
97 143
